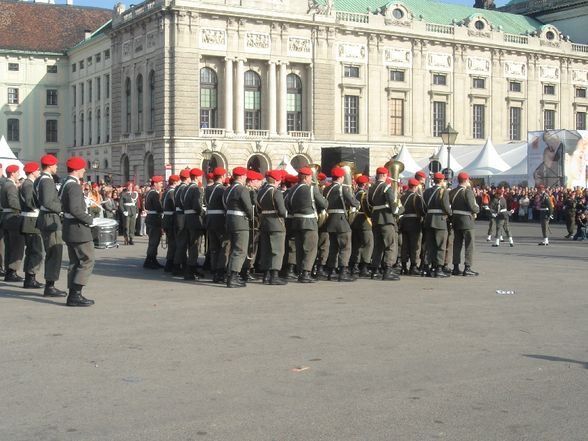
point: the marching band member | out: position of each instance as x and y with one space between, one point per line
32 236
13 240
362 237
193 211
168 221
289 264
215 225
545 213
323 239
181 233
252 183
411 224
438 209
464 210
498 210
128 206
153 222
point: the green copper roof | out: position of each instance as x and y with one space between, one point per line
437 12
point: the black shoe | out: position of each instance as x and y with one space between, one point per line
542 244
468 272
131 241
439 273
291 272
322 273
51 291
404 270
266 277
567 236
511 244
390 274
305 277
414 271
364 272
446 269
177 271
169 266
456 271
219 277
233 281
494 245
11 276
30 282
275 278
75 297
344 275
150 264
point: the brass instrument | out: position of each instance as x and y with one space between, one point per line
323 215
394 169
350 174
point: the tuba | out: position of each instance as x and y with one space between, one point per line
322 216
350 174
394 169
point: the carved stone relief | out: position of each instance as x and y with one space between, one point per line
478 65
258 42
213 39
126 50
440 62
549 73
152 40
299 47
351 52
514 69
580 76
397 57
138 45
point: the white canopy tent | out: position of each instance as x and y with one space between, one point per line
7 157
410 165
442 155
487 163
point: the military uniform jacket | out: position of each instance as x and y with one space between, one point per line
438 207
498 207
463 207
29 207
169 208
50 206
303 203
77 221
237 201
215 209
414 211
339 199
128 202
10 202
179 220
192 203
381 200
154 209
546 207
2 182
362 219
272 209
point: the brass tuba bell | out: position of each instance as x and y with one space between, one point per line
316 169
350 174
395 168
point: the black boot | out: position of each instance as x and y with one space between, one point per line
440 273
456 271
305 277
11 276
220 276
331 274
275 278
322 273
469 272
344 275
446 269
131 241
150 263
75 297
364 271
189 273
266 277
234 281
390 274
403 269
30 282
426 271
51 291
177 271
169 266
291 272
414 271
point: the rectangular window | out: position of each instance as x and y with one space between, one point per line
51 130
13 130
90 91
89 61
12 95
479 113
514 86
549 120
439 120
107 54
74 95
107 85
14 67
351 117
52 68
74 67
396 117
98 58
81 64
515 123
479 83
51 97
294 112
351 71
440 79
82 93
580 120
98 88
548 89
396 75
580 92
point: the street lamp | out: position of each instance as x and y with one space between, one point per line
449 135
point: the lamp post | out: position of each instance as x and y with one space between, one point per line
449 135
207 155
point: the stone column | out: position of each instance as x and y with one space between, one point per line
283 93
309 100
240 98
229 95
272 98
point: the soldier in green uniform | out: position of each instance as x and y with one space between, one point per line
153 222
30 212
339 199
545 213
181 233
215 225
239 210
193 201
570 204
304 202
253 183
49 223
464 210
272 210
362 237
385 207
421 176
438 209
500 212
289 265
77 233
2 181
11 224
411 224
323 238
128 206
169 213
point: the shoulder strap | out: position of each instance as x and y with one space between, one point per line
456 193
432 196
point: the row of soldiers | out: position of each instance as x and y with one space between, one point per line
35 222
275 222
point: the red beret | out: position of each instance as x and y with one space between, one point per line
11 169
31 167
75 163
239 171
49 160
219 171
196 172
210 175
185 173
463 176
420 174
438 176
382 171
363 179
252 175
412 182
405 187
292 179
156 179
321 176
305 171
173 178
275 174
337 172
227 181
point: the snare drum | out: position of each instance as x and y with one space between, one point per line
105 233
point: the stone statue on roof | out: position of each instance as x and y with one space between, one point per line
485 4
315 7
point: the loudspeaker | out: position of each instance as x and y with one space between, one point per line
331 156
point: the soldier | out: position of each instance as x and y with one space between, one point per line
438 209
32 236
168 221
545 213
289 264
253 183
339 199
237 201
153 222
304 202
362 237
215 225
2 181
384 207
181 233
570 204
49 223
76 233
128 206
193 201
499 211
272 209
11 224
464 210
323 239
411 224
421 176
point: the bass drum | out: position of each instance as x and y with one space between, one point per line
105 233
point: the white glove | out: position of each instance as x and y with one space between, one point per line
494 215
125 213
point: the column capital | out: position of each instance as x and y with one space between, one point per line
270 62
283 63
230 59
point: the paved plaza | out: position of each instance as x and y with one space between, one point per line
421 359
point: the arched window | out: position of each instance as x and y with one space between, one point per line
81 129
258 163
98 125
126 171
252 101
152 100
128 105
299 161
139 103
107 123
215 161
294 103
89 127
208 100
149 165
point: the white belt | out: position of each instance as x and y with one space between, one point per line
180 210
336 211
129 204
68 216
8 210
236 213
410 215
504 210
464 213
189 211
435 211
305 216
544 209
268 212
30 213
152 212
215 212
380 207
168 213
46 209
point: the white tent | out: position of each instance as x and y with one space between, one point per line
410 165
7 157
487 163
519 169
442 155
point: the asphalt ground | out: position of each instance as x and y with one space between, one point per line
421 359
